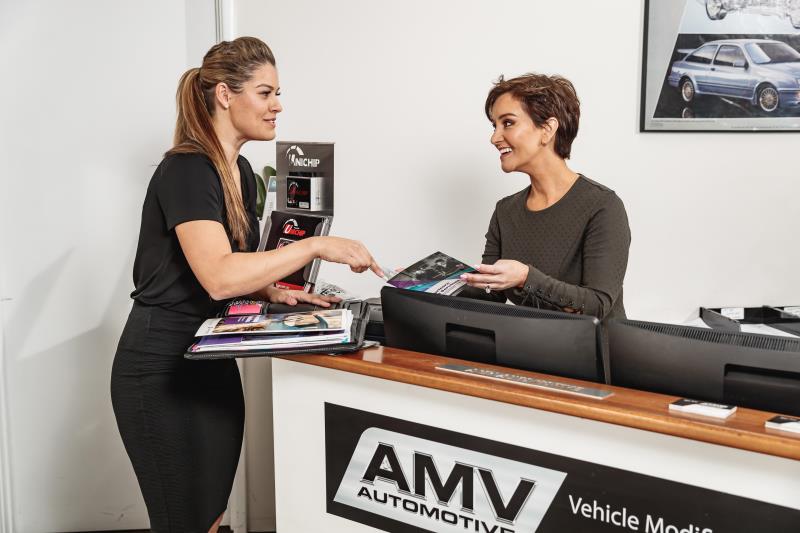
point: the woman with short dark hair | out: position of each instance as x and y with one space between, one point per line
562 242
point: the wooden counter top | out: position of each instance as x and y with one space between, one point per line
627 407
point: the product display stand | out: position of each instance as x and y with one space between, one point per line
304 206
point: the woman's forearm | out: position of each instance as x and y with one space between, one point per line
237 274
595 300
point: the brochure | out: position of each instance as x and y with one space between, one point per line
438 273
696 407
278 324
784 423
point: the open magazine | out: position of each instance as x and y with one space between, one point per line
265 332
438 273
277 324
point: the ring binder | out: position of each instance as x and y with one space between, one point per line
357 342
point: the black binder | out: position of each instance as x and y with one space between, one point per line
357 331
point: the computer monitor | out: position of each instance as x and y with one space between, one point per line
749 370
550 342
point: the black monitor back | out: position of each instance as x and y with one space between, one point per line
758 371
551 342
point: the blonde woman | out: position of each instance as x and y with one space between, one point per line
182 421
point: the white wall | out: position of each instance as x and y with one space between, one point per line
400 87
88 109
6 514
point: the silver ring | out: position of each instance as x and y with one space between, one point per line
488 289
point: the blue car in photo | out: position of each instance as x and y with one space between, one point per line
764 72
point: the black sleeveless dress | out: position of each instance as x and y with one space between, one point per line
181 421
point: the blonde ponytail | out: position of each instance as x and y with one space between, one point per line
232 63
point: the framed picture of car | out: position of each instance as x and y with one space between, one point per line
721 65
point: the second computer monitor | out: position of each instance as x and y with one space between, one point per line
758 371
550 342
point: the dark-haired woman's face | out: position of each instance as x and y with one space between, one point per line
254 111
517 138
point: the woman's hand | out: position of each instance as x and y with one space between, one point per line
504 274
346 251
281 296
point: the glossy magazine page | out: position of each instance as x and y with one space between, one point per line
279 324
438 273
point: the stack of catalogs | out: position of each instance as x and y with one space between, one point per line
264 332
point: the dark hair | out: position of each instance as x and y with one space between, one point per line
543 97
232 63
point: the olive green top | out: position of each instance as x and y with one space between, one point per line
576 249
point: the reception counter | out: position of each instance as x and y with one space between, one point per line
391 440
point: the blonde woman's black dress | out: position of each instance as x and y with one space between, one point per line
181 421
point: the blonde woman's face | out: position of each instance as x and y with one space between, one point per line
254 111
